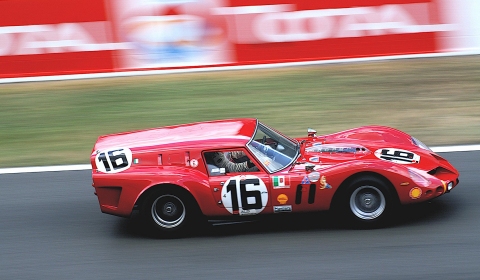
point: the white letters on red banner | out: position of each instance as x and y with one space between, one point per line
94 36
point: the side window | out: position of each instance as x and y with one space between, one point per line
231 161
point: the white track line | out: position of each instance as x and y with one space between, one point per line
462 148
37 169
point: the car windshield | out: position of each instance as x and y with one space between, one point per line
272 149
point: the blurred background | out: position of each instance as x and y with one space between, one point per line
413 65
72 70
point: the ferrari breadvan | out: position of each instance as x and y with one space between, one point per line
180 176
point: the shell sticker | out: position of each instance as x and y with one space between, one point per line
415 193
282 198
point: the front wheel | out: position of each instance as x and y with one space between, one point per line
169 213
368 202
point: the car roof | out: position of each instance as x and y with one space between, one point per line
204 135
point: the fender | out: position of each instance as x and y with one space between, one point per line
338 175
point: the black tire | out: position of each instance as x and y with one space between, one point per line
170 213
368 203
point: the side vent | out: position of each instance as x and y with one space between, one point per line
298 195
433 171
311 193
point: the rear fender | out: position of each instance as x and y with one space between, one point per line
193 182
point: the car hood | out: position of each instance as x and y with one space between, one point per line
371 143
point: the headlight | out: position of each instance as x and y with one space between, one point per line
418 179
420 144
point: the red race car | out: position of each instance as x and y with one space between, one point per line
180 176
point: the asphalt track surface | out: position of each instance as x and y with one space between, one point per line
52 228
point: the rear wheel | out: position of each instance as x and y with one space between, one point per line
170 213
368 202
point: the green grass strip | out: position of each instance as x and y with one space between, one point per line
436 99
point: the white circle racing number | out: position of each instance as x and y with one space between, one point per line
397 155
244 195
113 160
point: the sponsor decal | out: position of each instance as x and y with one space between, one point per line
324 184
193 163
415 193
282 208
283 23
305 181
397 155
313 176
282 198
332 148
113 160
218 170
55 38
244 195
136 161
444 186
244 212
314 159
281 182
171 33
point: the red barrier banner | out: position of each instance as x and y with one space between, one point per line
45 37
53 37
195 33
319 30
171 33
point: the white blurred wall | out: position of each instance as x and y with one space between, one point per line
465 16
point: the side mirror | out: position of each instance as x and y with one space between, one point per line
309 167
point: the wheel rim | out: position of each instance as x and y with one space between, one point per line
367 202
168 211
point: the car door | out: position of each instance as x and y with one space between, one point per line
239 192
